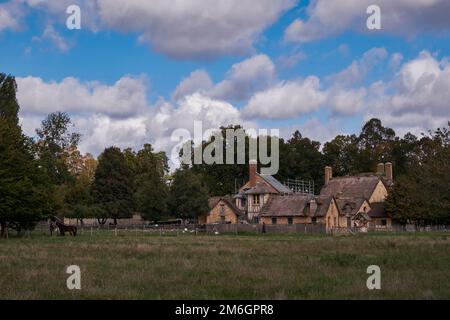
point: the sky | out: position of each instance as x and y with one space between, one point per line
137 71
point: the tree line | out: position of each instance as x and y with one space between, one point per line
47 175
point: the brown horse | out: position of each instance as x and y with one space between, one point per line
62 227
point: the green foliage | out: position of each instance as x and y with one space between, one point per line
55 141
300 158
151 190
189 195
24 191
112 189
9 108
422 194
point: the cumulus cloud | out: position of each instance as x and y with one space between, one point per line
417 98
404 17
245 78
315 129
287 99
198 81
124 98
241 81
211 113
120 114
196 28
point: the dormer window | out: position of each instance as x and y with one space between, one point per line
256 200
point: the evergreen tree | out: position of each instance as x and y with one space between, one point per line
23 189
9 107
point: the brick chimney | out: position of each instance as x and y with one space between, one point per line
380 169
328 174
388 171
252 168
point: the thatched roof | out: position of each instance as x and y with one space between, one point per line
295 205
351 187
228 201
349 205
292 205
323 203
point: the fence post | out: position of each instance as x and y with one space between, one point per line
115 231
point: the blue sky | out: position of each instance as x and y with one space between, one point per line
136 72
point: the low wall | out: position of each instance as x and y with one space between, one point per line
258 228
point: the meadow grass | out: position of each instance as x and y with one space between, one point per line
185 266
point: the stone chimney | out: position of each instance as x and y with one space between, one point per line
381 169
252 168
328 174
388 171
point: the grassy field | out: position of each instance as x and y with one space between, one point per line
145 266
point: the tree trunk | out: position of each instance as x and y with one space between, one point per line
3 229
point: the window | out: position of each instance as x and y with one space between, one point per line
384 222
274 220
256 199
314 220
290 220
222 219
334 220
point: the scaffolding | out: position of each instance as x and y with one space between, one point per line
300 186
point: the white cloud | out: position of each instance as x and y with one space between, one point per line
245 78
195 28
404 17
287 99
50 34
359 69
241 81
10 16
198 81
346 102
417 98
119 114
125 97
288 61
314 129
